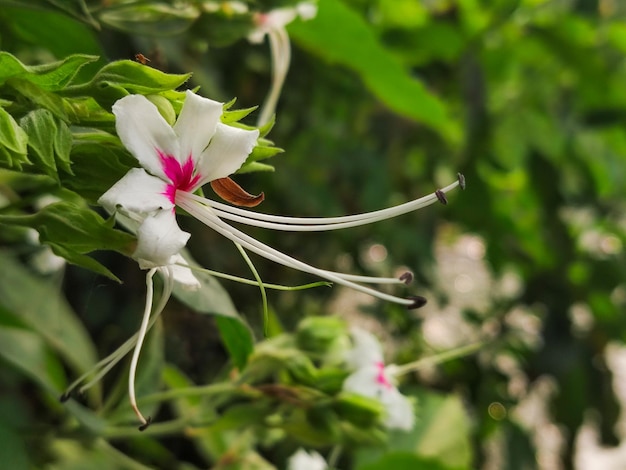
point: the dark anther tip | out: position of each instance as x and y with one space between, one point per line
418 302
441 196
461 180
406 277
66 396
145 425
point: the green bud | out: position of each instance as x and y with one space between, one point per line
301 369
359 410
165 108
319 335
330 380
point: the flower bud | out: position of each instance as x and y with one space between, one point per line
319 335
165 108
359 410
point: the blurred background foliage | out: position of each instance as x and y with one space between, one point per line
385 101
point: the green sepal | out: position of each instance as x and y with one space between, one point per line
50 77
13 143
253 167
237 115
359 410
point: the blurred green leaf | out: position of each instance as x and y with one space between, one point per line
13 142
13 450
50 77
340 36
156 19
441 434
406 461
237 339
42 308
73 230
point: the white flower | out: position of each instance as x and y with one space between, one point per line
177 160
371 378
303 460
273 25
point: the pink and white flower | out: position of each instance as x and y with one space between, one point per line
371 378
176 161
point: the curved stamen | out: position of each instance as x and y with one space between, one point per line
200 212
140 337
313 224
281 56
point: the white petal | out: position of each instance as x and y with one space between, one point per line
400 414
303 460
228 150
306 10
366 350
136 192
196 124
182 274
159 239
363 381
143 131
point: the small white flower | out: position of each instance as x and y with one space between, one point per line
303 460
272 24
371 378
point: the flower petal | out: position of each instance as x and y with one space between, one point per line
159 240
400 414
137 191
228 150
143 131
366 350
196 125
183 274
303 460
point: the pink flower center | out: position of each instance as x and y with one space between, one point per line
381 378
183 177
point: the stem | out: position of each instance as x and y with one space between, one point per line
438 358
255 273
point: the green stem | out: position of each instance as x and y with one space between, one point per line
438 358
251 282
266 313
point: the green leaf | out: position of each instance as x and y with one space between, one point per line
13 142
211 297
156 19
406 461
340 36
63 36
73 230
237 339
50 77
441 433
28 352
41 129
118 79
13 451
40 306
39 96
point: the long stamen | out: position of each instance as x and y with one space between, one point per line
315 224
140 337
205 215
281 56
105 365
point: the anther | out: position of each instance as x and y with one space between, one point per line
418 302
441 196
66 396
461 180
406 277
146 424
